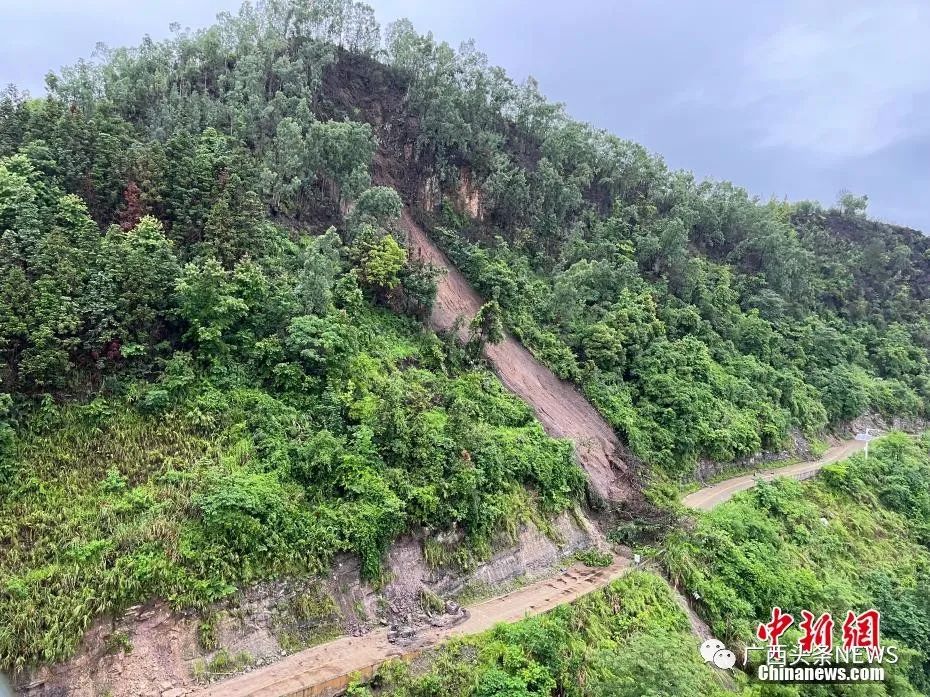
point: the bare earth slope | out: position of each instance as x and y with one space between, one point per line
561 409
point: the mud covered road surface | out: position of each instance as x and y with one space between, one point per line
316 670
560 407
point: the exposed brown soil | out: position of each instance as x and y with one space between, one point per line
162 645
561 409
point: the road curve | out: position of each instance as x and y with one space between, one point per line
325 670
712 496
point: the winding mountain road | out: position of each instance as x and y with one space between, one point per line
711 496
325 670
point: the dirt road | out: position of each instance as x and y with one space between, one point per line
561 408
315 670
325 669
712 496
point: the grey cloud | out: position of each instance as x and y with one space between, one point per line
842 81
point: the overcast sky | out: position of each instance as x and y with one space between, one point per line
796 98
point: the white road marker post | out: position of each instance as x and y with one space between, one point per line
866 437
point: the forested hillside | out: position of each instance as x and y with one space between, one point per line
213 364
204 384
